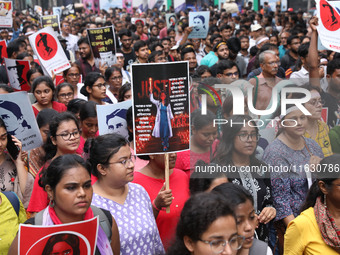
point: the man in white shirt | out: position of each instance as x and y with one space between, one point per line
71 39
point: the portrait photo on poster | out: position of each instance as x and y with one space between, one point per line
17 113
112 118
199 21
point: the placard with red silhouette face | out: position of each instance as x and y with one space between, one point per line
6 9
47 47
73 238
17 73
329 23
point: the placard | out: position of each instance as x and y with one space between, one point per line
17 113
51 21
47 47
17 73
161 118
6 10
112 118
329 23
103 44
72 238
200 23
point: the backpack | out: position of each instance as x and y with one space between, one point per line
105 220
14 200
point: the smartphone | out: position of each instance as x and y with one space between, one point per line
12 149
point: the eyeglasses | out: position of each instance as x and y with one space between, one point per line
218 246
126 40
125 162
231 74
100 86
278 63
73 74
66 95
117 78
67 136
245 137
315 102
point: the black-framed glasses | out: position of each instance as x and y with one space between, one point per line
218 246
67 136
245 137
231 74
64 95
100 85
125 162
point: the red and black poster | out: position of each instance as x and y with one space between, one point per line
328 13
73 238
47 47
161 107
17 73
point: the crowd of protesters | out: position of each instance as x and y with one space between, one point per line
232 212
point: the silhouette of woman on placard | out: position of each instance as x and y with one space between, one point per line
43 39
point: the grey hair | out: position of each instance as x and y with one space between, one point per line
263 54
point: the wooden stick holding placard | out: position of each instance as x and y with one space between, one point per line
167 177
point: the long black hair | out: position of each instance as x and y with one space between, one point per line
71 239
327 175
101 149
49 147
225 148
56 170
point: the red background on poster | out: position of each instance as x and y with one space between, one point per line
35 237
46 53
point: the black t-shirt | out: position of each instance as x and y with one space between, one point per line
333 106
287 61
129 58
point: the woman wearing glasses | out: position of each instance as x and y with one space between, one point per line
242 203
63 139
316 128
236 151
94 88
114 78
112 163
64 93
72 76
43 90
294 156
207 225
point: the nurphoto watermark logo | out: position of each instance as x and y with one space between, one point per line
279 97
